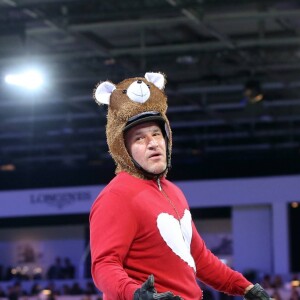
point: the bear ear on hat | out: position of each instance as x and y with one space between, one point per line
103 92
157 79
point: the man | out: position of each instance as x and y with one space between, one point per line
144 244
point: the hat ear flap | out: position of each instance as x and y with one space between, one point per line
103 92
157 79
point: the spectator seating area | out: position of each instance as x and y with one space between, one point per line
60 282
49 289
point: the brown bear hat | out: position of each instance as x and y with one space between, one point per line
131 102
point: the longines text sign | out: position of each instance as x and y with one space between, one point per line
60 200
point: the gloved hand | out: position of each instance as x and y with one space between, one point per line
148 292
257 293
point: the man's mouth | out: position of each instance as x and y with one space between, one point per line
155 155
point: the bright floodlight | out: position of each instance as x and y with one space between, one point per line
30 79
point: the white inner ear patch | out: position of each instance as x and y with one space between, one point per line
138 91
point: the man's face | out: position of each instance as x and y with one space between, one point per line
147 146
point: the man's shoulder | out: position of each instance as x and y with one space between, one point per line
170 183
172 187
123 179
122 184
121 191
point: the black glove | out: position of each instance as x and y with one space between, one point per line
148 292
257 293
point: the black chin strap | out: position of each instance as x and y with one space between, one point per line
146 173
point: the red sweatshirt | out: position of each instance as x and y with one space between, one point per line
135 231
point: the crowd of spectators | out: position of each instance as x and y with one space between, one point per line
16 290
64 272
58 279
60 269
280 289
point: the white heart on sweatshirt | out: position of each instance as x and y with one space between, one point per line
177 235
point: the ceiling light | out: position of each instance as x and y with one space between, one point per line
7 167
186 59
252 91
30 79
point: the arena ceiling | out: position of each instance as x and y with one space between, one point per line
210 51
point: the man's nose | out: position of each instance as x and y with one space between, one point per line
152 143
